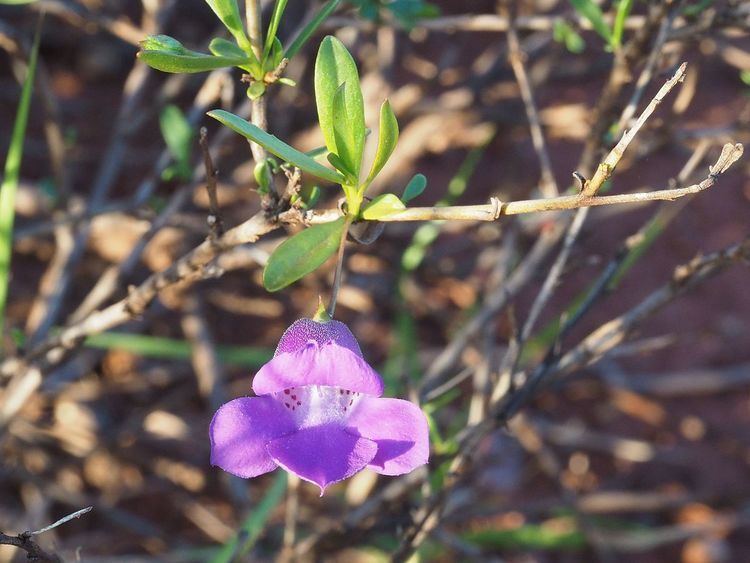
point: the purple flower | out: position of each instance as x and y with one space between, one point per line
318 414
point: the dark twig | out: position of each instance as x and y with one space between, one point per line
33 551
215 224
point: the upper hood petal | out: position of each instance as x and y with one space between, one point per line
328 364
301 331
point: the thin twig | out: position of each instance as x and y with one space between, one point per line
496 209
215 224
607 167
547 183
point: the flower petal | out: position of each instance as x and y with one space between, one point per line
322 454
303 330
400 430
240 431
328 364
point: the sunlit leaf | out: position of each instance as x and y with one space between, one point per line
384 204
349 136
276 146
333 67
387 139
301 254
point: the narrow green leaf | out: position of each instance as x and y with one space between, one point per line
253 525
273 26
178 134
148 346
350 139
224 48
341 166
229 14
311 27
414 188
623 11
301 254
11 175
387 139
189 62
592 12
334 66
16 2
384 204
276 146
275 56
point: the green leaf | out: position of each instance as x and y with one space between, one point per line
311 197
387 139
745 76
169 55
311 27
256 90
384 204
349 137
341 166
11 174
16 2
592 12
414 188
564 33
170 348
275 56
224 48
263 176
276 146
333 67
163 43
229 13
623 11
273 26
178 134
301 254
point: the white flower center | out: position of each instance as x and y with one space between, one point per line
313 405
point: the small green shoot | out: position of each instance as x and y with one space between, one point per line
565 34
178 135
593 13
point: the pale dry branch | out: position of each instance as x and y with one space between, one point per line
606 168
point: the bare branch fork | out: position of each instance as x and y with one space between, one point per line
26 542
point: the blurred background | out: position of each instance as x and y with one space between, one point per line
643 455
